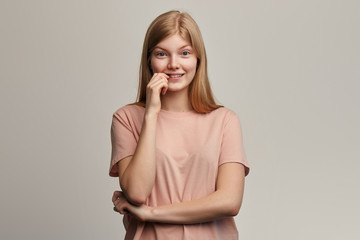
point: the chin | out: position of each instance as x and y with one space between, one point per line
177 89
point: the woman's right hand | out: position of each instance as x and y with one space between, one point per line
158 85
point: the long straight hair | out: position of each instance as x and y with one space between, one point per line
164 26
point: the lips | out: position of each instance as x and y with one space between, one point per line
175 75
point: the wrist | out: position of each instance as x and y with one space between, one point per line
149 214
151 116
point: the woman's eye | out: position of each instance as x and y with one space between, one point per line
185 53
161 54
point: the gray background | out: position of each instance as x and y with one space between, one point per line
290 69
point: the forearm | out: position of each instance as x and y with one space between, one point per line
224 202
138 178
214 206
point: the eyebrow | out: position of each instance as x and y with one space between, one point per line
185 46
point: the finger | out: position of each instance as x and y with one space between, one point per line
117 208
118 201
164 90
121 207
121 211
161 74
160 84
158 76
165 75
154 77
161 88
157 79
116 195
157 87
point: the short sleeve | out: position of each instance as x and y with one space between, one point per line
232 149
123 140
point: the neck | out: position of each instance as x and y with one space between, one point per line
176 101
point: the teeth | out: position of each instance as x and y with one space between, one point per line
175 76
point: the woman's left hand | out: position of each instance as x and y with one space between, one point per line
122 205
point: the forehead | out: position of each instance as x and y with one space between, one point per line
173 42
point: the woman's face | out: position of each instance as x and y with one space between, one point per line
175 57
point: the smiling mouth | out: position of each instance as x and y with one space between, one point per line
175 75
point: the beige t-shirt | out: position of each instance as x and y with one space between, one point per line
189 149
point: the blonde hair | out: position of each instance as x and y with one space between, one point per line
166 25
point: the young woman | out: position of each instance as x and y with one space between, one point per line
178 155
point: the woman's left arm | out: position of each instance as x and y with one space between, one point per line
224 202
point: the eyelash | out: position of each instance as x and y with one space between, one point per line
159 54
188 53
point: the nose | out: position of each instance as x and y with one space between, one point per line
173 63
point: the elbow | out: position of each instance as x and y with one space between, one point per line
234 211
134 197
233 208
229 204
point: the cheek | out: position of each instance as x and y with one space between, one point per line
191 66
157 66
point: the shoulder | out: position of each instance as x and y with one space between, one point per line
224 113
129 111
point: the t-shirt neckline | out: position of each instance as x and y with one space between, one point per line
177 114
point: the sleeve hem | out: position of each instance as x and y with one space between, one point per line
247 167
113 171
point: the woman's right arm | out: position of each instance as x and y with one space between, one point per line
137 172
